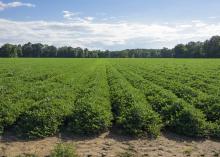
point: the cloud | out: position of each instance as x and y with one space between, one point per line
4 6
89 18
104 34
69 15
75 17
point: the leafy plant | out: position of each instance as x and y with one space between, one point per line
43 119
92 112
64 150
131 112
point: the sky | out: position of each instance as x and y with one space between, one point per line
108 24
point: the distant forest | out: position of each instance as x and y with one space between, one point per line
208 49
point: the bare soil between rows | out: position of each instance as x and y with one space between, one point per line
113 145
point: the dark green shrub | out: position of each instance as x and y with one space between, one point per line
213 112
187 120
90 117
43 119
10 111
140 120
1 129
214 129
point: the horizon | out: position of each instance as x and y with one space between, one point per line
109 24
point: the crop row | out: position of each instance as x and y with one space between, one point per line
209 104
39 98
177 115
92 112
197 80
38 108
132 113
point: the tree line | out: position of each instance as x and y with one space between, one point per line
207 49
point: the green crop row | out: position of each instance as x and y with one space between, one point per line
209 104
131 111
192 78
177 115
44 104
92 112
40 97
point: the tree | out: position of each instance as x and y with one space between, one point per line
37 50
212 47
195 49
62 52
49 51
71 52
86 52
8 50
180 51
19 50
27 50
166 53
107 54
80 52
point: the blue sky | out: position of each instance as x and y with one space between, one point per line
109 24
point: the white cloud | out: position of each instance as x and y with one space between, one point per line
4 6
89 18
104 34
74 17
69 15
200 24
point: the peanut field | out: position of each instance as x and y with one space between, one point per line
137 97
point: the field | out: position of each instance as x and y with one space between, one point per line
136 97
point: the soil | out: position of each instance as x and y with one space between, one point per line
111 145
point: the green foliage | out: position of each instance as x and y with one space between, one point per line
10 111
1 129
180 51
212 46
140 121
39 96
214 129
89 118
209 49
213 112
131 112
64 150
173 110
42 120
179 84
92 113
9 50
188 121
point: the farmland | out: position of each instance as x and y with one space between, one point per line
137 97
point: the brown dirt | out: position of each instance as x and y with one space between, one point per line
111 145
